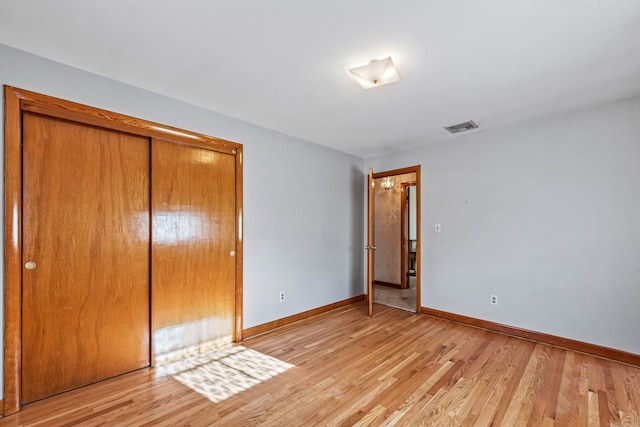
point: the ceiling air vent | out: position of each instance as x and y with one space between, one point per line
461 127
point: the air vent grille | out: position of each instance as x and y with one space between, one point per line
461 127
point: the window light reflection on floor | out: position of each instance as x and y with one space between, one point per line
222 372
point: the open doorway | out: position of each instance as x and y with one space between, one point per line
396 231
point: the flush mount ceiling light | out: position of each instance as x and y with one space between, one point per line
377 73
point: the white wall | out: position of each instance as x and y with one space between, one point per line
545 214
303 223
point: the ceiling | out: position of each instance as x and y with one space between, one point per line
282 64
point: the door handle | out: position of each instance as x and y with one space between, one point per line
370 248
29 265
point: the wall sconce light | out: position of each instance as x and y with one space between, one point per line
386 183
378 72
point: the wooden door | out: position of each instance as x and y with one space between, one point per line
370 246
85 306
193 240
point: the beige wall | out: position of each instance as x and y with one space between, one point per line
386 230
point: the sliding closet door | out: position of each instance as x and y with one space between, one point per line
85 255
193 246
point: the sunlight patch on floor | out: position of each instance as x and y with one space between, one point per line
222 372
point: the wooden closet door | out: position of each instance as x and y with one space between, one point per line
193 244
85 309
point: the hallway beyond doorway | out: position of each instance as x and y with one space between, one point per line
404 299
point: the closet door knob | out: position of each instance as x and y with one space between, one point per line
232 253
29 265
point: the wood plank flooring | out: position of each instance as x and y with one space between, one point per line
344 368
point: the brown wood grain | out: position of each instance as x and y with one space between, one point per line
416 169
12 252
370 242
18 101
394 172
193 246
86 226
79 113
274 324
396 368
239 236
583 347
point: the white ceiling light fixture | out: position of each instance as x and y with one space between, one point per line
378 72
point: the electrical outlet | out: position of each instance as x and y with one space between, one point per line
281 296
494 300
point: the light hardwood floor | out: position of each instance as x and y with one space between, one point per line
344 368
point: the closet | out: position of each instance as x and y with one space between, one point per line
122 242
193 246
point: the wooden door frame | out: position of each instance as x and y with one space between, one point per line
15 102
402 171
370 247
404 233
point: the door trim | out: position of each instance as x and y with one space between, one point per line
370 247
15 102
404 234
403 171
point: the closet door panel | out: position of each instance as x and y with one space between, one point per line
85 307
193 243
